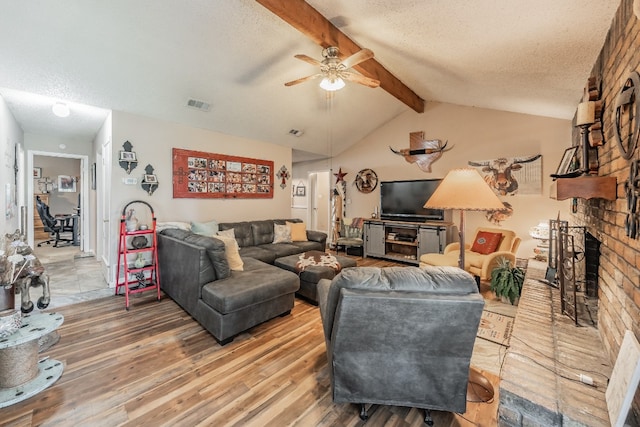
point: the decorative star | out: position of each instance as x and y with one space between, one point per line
340 175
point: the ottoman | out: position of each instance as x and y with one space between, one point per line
440 260
311 275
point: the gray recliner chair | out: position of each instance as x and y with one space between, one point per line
400 336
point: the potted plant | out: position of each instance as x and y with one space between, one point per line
507 280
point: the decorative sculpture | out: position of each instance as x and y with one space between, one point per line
627 129
632 191
21 269
422 152
366 181
284 175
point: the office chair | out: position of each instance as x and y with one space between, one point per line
54 225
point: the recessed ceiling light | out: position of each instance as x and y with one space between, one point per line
60 109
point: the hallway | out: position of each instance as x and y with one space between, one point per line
73 276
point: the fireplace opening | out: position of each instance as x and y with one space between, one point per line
592 263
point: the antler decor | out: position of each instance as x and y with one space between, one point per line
421 151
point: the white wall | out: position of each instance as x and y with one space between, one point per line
153 141
474 134
10 135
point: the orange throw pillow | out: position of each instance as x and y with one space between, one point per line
486 243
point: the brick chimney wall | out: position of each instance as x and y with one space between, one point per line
619 287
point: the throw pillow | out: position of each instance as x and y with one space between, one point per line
205 228
227 233
232 253
486 243
298 231
172 224
281 233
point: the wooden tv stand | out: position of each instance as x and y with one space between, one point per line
405 241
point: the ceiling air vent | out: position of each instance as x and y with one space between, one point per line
296 132
198 105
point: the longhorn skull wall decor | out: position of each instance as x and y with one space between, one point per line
508 176
422 152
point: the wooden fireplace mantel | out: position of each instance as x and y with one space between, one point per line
585 187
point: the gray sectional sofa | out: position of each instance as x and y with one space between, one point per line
255 237
195 273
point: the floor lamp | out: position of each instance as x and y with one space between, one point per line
466 190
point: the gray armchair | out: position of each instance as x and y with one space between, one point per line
400 336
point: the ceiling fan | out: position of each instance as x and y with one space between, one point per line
334 71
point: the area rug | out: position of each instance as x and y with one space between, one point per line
495 327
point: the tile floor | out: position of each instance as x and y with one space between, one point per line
74 276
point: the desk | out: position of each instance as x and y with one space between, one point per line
76 225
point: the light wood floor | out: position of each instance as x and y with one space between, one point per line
154 365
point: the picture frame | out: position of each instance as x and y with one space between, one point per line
37 173
301 191
66 184
566 162
128 156
150 179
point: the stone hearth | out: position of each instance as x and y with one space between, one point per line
540 379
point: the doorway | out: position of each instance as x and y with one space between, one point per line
320 201
74 274
70 199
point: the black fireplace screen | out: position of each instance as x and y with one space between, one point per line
568 264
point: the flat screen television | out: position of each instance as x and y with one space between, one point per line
404 200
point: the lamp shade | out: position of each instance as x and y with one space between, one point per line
464 189
586 113
332 83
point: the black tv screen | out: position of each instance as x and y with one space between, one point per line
404 200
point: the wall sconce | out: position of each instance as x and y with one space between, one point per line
585 117
149 180
128 159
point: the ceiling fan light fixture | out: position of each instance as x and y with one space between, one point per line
332 83
60 109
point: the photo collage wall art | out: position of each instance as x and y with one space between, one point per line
197 174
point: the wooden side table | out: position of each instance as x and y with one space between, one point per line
21 374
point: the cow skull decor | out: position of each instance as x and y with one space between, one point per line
508 176
422 152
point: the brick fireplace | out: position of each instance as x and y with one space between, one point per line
613 279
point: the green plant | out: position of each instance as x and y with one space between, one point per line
507 280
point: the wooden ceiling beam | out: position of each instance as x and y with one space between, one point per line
300 15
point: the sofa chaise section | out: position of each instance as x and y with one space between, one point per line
195 274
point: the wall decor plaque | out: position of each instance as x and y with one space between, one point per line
201 175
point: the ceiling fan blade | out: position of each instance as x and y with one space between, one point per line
308 59
359 78
302 80
357 58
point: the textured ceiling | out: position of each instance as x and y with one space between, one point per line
149 57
